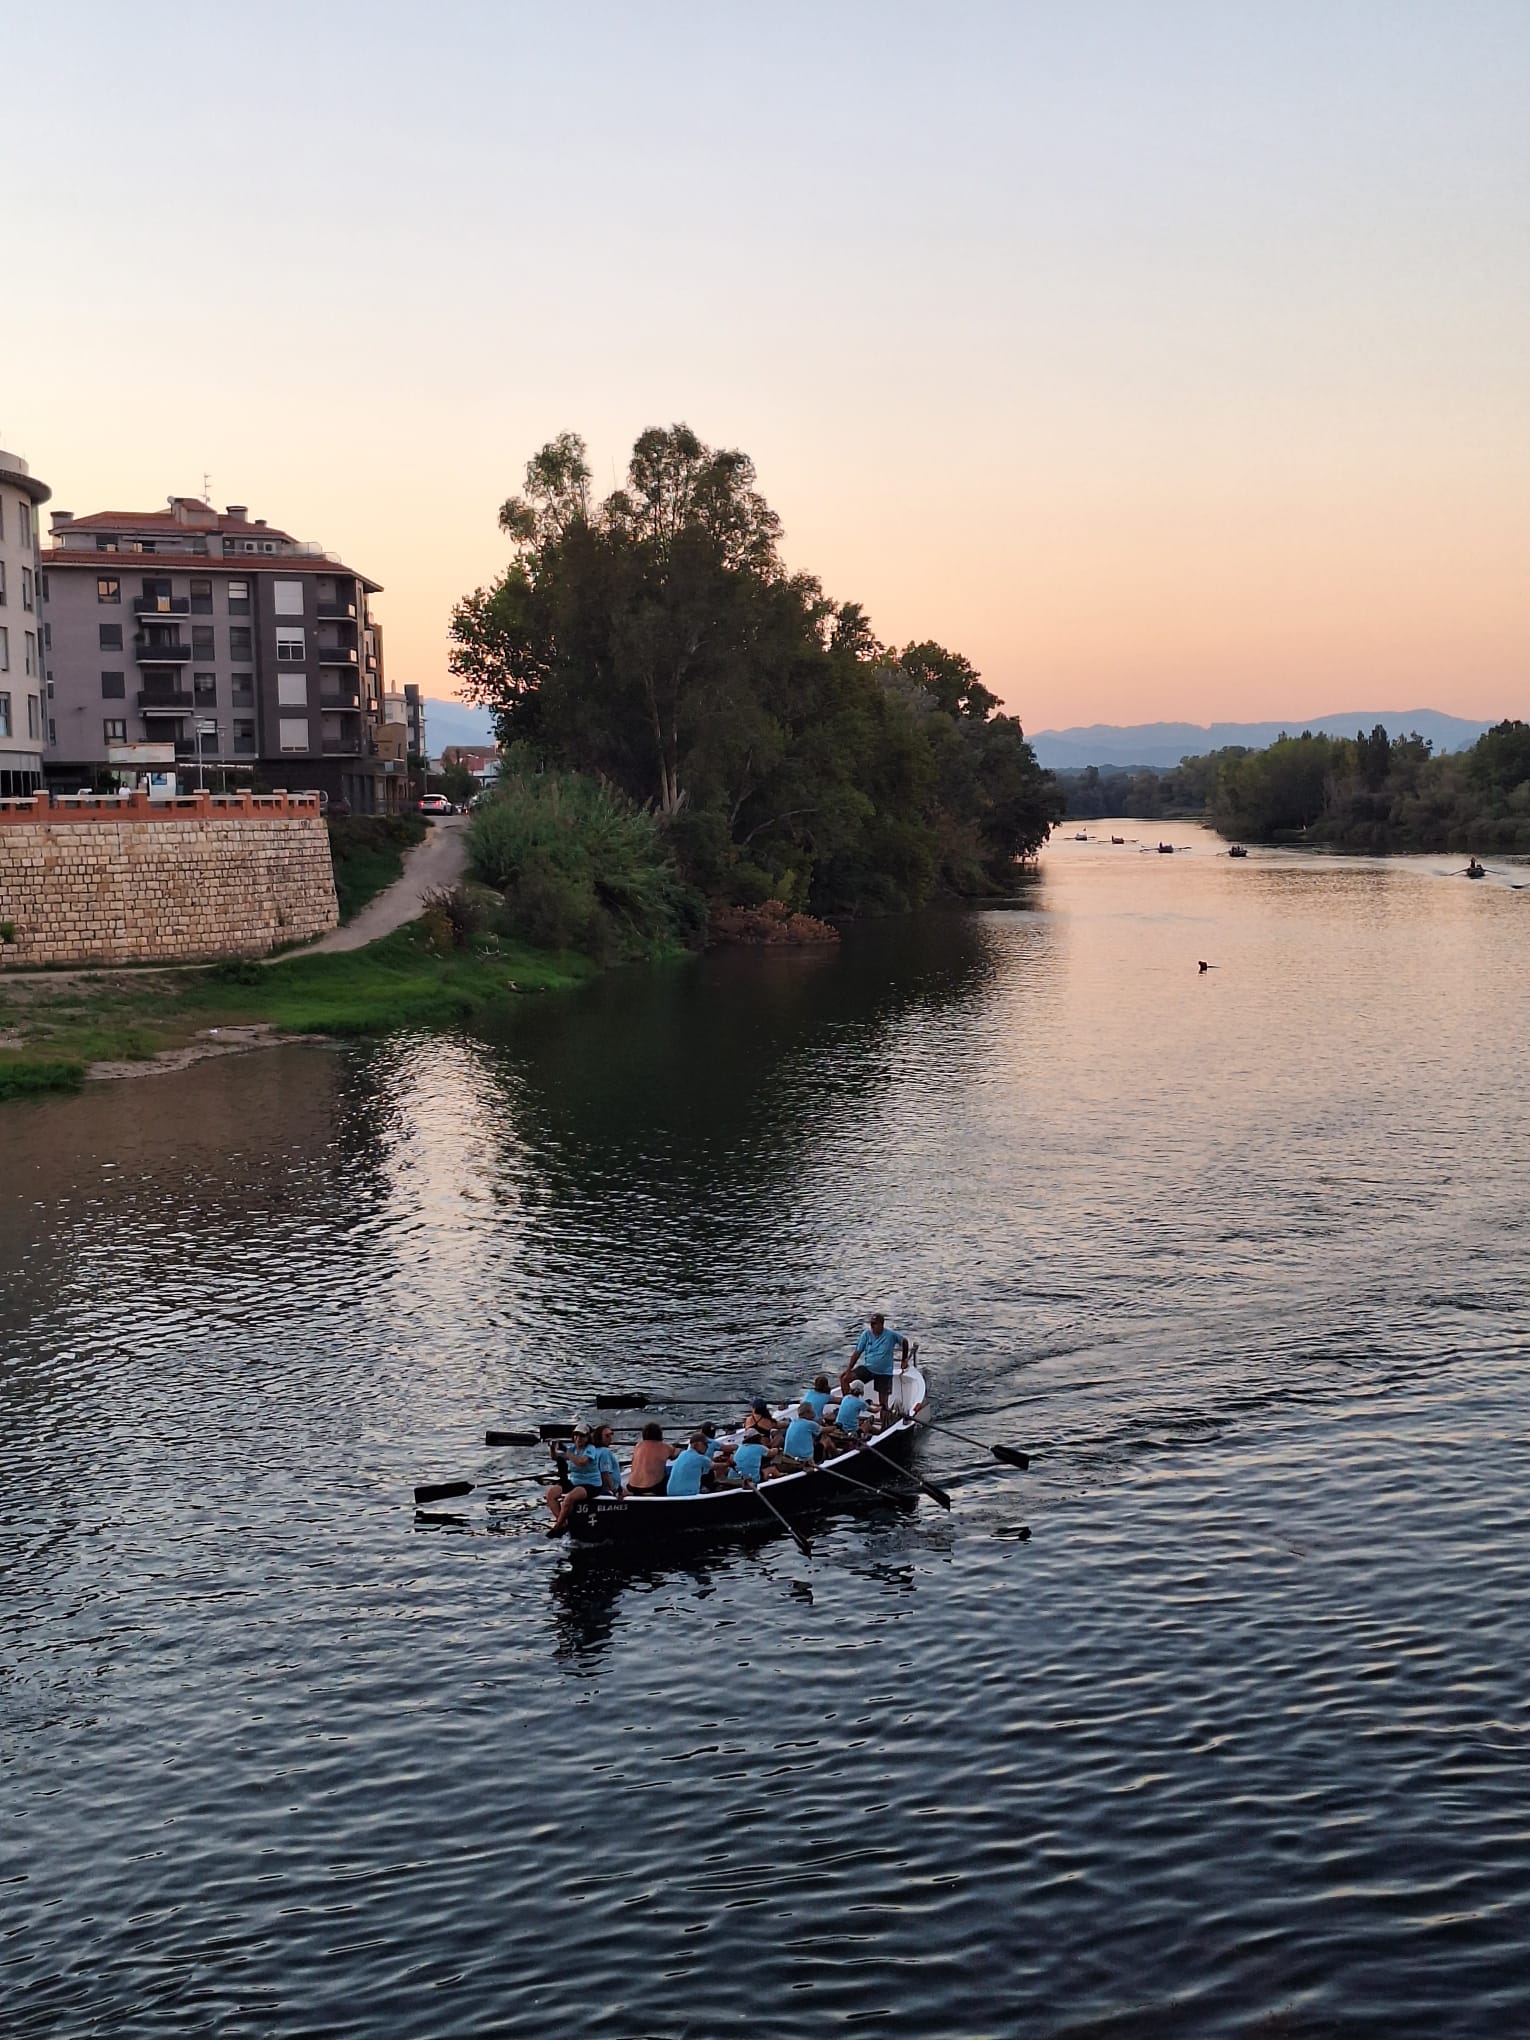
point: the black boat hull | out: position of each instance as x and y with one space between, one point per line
872 1475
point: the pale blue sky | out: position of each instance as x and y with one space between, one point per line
1168 359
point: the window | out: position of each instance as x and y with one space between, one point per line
288 598
26 589
5 715
238 598
47 637
2 581
202 641
34 718
156 588
292 690
244 690
240 641
208 740
289 644
2 516
52 732
111 637
201 596
244 738
26 523
108 588
5 649
204 687
293 732
106 545
43 583
31 665
114 729
113 686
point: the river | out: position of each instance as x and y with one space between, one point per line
1238 1740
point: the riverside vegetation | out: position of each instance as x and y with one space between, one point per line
688 729
1371 792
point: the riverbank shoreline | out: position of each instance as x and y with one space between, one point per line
58 1033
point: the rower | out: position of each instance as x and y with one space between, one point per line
748 1464
691 1468
820 1395
580 1474
650 1463
853 1406
799 1448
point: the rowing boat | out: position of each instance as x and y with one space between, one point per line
633 1520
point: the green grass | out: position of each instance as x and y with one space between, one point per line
367 852
61 1027
25 1076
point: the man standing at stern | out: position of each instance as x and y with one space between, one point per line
873 1357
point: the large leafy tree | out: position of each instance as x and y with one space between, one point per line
656 640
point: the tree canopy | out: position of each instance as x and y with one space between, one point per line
657 641
1372 791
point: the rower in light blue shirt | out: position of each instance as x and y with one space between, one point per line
819 1396
748 1460
801 1436
685 1472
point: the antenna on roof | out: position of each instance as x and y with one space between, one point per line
207 488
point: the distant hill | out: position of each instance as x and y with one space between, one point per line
1165 743
456 722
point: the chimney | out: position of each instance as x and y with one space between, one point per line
241 511
61 518
260 524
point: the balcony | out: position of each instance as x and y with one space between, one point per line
161 605
341 704
164 701
152 652
337 655
340 611
341 747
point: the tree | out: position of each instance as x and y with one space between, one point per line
655 640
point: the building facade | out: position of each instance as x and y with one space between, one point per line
407 706
23 654
217 646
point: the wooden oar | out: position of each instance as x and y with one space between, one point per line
801 1542
1010 1454
441 1491
517 1437
866 1487
936 1494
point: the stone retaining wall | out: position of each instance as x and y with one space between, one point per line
128 881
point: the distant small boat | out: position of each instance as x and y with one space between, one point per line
1476 870
1082 836
1237 850
1118 839
1166 849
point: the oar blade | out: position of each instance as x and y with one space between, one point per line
555 1434
621 1402
511 1438
441 1491
1011 1456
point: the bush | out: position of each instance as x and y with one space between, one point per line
452 917
367 852
26 1079
580 867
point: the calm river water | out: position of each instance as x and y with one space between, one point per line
1238 1741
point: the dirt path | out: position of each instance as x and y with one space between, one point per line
439 861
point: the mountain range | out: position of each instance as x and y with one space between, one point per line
456 722
1165 743
1070 750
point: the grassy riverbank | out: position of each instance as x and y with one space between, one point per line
52 1028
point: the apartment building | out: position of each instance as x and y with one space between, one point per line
22 628
407 706
217 645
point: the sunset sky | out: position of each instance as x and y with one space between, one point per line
1171 360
